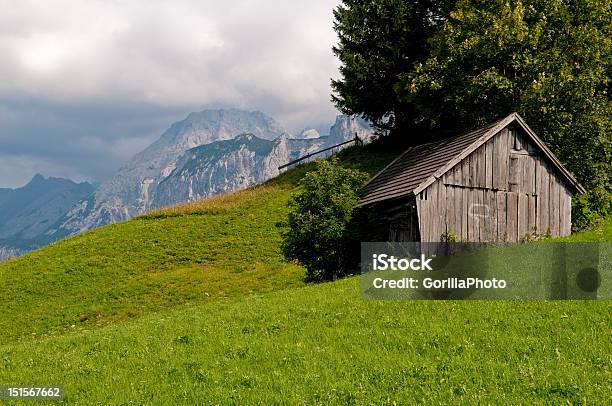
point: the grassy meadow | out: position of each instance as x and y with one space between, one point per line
195 305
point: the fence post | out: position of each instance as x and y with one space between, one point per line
358 140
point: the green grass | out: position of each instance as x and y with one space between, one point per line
194 304
227 246
324 345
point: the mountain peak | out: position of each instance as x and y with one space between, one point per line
36 181
310 133
207 126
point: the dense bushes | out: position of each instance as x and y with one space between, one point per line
319 234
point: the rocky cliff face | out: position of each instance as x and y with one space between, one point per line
210 152
226 166
26 213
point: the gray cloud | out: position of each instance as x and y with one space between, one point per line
85 85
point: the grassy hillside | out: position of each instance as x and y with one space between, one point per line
323 344
219 324
227 246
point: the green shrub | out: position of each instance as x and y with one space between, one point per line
318 234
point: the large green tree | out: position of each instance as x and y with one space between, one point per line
423 65
379 40
550 60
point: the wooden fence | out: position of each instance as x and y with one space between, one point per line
311 156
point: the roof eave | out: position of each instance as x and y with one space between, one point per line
386 199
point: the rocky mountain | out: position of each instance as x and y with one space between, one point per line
210 152
226 166
309 133
27 213
247 160
129 192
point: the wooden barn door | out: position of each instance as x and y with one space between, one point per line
517 215
522 200
493 216
471 213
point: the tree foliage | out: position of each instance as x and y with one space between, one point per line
319 221
379 40
549 60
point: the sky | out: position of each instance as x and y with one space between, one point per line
84 85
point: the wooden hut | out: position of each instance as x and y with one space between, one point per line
499 183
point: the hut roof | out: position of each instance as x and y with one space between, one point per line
420 166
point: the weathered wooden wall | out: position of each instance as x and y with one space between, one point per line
501 192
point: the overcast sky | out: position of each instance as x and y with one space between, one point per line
84 85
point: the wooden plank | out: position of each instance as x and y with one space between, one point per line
543 199
503 160
523 210
489 215
532 207
565 211
441 209
419 209
473 170
512 216
489 147
486 216
527 175
447 178
514 142
482 215
434 204
568 210
536 172
501 216
457 174
523 140
529 145
450 209
486 219
464 214
458 210
431 196
481 167
427 207
424 218
493 213
495 166
477 214
554 206
474 229
468 208
514 176
518 140
465 172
